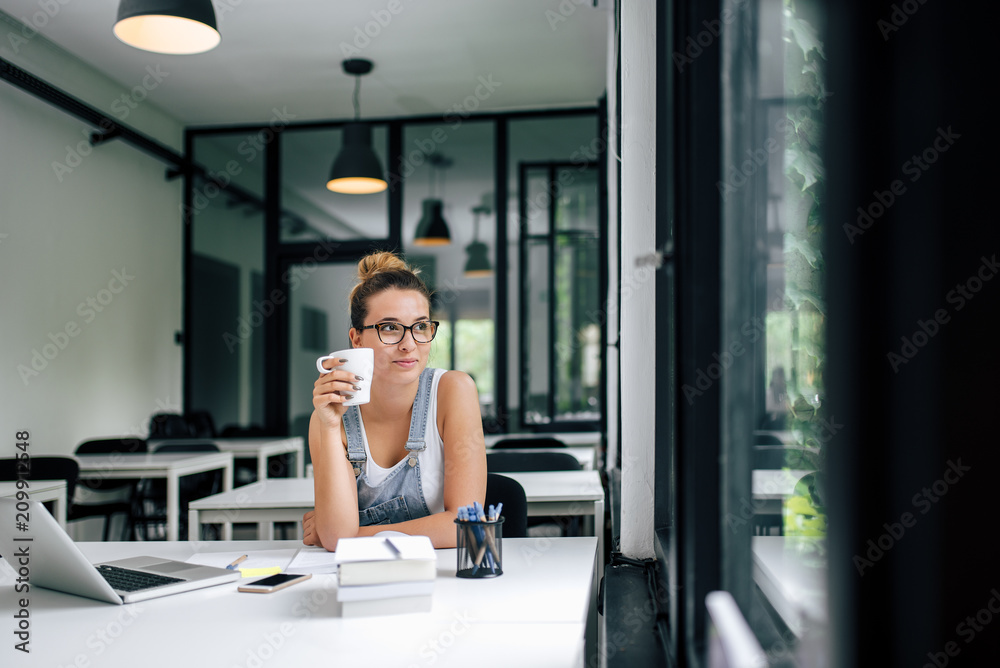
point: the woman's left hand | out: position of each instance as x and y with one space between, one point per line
309 535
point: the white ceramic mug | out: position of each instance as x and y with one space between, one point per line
360 362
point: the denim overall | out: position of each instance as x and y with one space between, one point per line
400 497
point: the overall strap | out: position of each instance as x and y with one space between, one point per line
355 445
418 426
418 419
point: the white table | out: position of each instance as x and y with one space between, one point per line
775 483
585 454
566 493
770 487
53 491
791 573
549 493
260 449
572 438
538 613
168 466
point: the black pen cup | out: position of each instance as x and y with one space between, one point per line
480 549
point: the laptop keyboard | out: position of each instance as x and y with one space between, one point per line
124 579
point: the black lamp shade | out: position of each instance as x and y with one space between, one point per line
176 27
356 170
478 264
432 230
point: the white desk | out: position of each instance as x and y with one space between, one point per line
585 454
256 448
537 614
791 573
566 493
549 493
53 491
575 438
775 483
770 487
168 466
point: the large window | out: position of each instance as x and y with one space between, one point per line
560 293
225 338
306 158
267 230
772 185
556 223
454 164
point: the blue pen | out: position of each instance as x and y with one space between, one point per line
483 538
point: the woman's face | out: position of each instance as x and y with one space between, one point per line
399 362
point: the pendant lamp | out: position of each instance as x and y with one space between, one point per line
176 27
432 230
357 170
478 264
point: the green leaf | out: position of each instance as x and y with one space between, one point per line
799 297
806 163
803 35
811 254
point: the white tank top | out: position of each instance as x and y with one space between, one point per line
431 458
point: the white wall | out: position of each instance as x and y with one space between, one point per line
109 231
639 341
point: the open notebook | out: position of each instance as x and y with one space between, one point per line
31 538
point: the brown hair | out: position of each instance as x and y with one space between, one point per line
380 271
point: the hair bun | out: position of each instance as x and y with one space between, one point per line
379 262
380 271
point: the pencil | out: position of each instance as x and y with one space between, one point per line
238 561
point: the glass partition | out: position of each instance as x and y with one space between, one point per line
560 295
310 212
322 234
771 185
224 338
456 165
319 322
557 217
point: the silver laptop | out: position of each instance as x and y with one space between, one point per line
53 561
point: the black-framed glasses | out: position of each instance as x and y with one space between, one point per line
393 332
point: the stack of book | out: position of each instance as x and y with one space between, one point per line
384 575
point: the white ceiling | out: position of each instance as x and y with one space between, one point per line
429 56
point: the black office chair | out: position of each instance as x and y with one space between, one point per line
501 489
169 425
502 462
239 431
533 442
100 497
46 468
200 424
192 487
245 470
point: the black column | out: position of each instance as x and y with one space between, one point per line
913 293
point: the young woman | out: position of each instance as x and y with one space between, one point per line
411 457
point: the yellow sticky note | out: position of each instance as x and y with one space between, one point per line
259 572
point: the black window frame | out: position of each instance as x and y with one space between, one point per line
281 257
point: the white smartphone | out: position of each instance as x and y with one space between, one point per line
273 583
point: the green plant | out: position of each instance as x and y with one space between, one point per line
804 265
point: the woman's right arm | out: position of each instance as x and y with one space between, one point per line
336 504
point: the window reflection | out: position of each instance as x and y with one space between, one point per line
311 212
225 338
781 175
